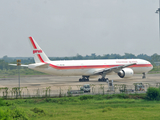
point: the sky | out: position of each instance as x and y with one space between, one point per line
70 27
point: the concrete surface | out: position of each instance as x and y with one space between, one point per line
43 81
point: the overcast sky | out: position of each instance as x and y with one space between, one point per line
67 27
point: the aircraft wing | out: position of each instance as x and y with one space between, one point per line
112 69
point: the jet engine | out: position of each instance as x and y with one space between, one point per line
125 72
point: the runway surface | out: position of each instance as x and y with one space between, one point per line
43 81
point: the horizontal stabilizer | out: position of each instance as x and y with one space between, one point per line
20 65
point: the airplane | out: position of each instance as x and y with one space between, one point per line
124 68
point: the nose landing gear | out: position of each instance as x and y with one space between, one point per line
144 75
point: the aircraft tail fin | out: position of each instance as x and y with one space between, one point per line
39 55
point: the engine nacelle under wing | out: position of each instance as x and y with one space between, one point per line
125 72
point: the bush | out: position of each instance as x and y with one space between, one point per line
1 102
153 94
122 95
107 109
18 114
4 115
38 110
85 97
99 97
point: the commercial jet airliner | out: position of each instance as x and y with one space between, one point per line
87 68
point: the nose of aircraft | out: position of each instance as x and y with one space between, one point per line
150 65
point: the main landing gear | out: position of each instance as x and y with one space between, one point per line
84 79
144 75
103 79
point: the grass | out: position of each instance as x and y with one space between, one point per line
99 107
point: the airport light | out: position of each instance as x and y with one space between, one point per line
18 65
158 11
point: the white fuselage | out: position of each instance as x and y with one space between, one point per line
88 67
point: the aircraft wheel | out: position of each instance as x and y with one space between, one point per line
80 80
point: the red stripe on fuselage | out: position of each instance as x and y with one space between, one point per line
32 42
96 66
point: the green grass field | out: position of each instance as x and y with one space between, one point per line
99 107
